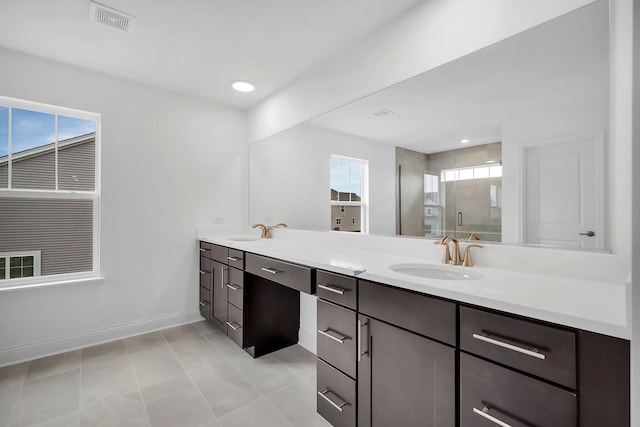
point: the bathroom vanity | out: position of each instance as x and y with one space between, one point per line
395 350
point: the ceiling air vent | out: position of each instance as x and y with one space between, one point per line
107 16
383 112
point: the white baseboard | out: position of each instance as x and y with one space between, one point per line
308 340
59 345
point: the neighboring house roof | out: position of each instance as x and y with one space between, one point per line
43 149
344 197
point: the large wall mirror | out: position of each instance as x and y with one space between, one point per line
508 143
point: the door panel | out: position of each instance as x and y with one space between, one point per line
564 193
411 379
219 306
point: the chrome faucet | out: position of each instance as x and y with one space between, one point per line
266 229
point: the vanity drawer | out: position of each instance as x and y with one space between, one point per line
291 275
337 337
205 309
336 396
235 324
205 295
428 316
219 253
490 393
337 288
236 288
205 272
236 258
542 350
205 249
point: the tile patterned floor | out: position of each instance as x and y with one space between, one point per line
188 376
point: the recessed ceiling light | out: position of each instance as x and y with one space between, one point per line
242 86
464 141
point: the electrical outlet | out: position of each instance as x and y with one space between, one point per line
218 220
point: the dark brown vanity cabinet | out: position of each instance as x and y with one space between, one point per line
337 348
252 298
407 367
205 281
222 282
518 371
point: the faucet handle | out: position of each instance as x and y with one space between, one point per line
468 262
473 236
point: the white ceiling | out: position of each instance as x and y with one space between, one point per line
196 47
561 65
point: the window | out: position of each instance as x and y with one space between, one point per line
349 190
49 192
15 265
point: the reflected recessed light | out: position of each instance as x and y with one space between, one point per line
242 86
464 141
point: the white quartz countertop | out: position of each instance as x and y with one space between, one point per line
593 305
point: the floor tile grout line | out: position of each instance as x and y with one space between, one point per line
195 385
15 403
135 378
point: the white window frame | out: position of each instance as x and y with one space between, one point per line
364 202
8 255
95 273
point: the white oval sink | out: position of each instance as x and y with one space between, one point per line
431 271
243 239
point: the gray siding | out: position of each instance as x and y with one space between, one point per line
77 166
61 229
4 179
36 172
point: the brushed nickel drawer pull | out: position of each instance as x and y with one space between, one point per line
232 287
270 270
204 272
533 352
359 339
339 406
341 339
483 413
233 325
202 304
203 250
233 258
334 289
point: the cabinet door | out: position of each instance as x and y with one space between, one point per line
404 379
219 306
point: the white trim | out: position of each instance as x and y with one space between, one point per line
59 194
9 147
48 108
63 344
50 280
37 257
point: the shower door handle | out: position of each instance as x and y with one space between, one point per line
459 219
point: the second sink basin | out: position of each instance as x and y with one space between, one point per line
431 271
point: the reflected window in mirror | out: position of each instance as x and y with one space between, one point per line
349 183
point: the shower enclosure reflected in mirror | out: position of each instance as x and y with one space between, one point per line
450 193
